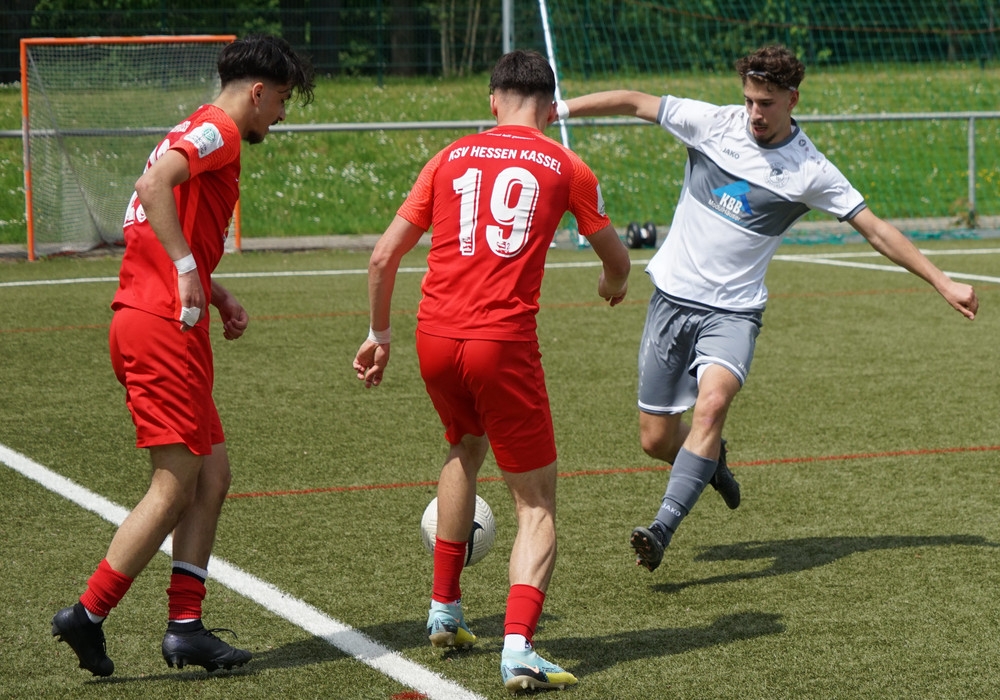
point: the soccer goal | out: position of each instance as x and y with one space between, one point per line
93 109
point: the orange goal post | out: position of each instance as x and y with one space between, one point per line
92 111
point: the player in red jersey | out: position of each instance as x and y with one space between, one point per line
175 231
494 201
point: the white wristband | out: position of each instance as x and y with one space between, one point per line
185 264
562 109
380 337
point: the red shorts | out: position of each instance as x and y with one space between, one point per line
495 388
168 378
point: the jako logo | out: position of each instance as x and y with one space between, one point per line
673 510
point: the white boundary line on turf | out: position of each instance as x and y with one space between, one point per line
875 254
817 258
821 260
283 273
299 613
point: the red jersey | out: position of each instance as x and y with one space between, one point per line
210 141
494 201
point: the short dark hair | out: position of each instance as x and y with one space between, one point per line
526 73
267 57
774 64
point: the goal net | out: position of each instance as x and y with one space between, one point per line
93 109
919 170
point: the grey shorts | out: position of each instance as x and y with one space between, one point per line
678 340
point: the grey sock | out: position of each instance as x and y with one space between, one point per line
688 477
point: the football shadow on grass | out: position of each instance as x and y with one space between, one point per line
801 554
605 651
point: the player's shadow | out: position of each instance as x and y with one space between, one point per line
597 652
604 651
801 554
412 634
601 651
304 652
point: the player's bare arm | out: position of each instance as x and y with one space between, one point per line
615 102
613 283
156 193
890 242
235 318
373 355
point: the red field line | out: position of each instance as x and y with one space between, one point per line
46 329
872 455
632 470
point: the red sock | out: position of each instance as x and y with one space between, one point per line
524 608
184 596
449 558
105 589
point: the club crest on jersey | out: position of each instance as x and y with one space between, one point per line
206 138
777 176
732 200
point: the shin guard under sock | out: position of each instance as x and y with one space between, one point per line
185 594
105 589
449 559
688 477
524 608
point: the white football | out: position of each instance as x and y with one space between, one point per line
484 530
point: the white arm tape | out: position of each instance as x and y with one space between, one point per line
380 337
190 315
185 264
562 109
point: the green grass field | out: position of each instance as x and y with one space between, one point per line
348 183
862 563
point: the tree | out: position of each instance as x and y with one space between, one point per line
14 23
478 46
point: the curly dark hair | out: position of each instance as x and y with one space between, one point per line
773 64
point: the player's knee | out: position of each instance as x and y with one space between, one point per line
657 444
712 406
215 486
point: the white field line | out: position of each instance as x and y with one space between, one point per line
816 258
314 621
283 273
828 260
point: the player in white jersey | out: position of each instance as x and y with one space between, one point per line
751 174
